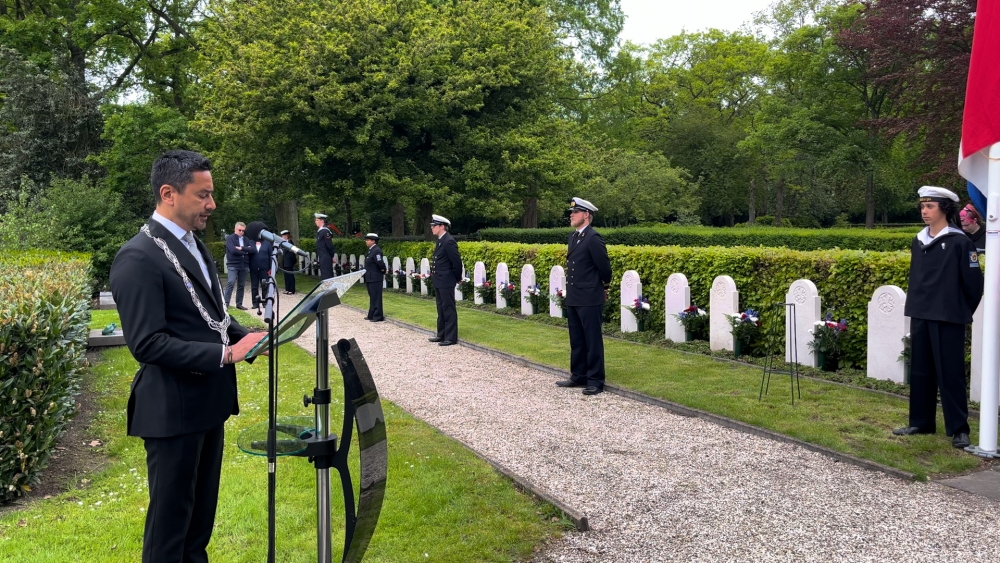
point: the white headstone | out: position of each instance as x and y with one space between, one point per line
458 292
397 265
410 268
557 282
354 261
976 385
723 302
479 276
886 328
808 310
385 280
527 281
425 268
503 277
678 298
343 259
631 289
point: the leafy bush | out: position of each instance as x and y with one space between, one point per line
44 319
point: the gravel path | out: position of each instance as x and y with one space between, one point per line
660 487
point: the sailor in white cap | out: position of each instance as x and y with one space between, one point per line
324 247
446 273
288 262
374 275
945 287
588 277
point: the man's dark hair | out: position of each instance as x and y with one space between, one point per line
950 210
176 168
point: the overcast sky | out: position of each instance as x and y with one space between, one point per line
649 20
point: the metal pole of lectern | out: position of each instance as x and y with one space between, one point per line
324 545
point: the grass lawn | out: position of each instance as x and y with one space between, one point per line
849 420
442 502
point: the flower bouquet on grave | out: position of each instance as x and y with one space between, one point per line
487 292
827 341
337 270
466 287
537 297
510 294
695 323
415 280
428 281
640 309
746 326
559 298
400 279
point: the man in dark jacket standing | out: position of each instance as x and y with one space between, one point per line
239 247
588 276
946 285
260 265
324 247
374 275
289 262
446 272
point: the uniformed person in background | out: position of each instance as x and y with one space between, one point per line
945 287
446 272
374 275
288 262
324 247
588 276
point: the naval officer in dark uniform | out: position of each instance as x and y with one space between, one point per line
446 272
374 275
945 287
588 276
289 261
324 247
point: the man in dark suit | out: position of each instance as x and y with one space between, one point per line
238 250
374 275
260 265
177 328
446 272
325 253
289 261
588 276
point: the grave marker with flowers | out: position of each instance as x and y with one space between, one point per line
400 276
695 322
558 298
465 288
640 309
486 292
746 326
508 294
827 341
537 298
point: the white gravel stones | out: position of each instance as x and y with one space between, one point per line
660 487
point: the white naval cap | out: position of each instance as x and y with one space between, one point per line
582 205
934 193
373 236
319 215
439 220
284 232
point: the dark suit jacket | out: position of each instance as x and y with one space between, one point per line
446 265
374 265
180 387
239 259
588 269
260 258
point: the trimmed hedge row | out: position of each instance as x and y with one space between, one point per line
886 240
846 279
44 319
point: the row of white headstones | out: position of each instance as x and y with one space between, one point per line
886 323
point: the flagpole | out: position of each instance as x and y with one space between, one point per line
990 396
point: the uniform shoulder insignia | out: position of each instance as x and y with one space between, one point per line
378 256
973 259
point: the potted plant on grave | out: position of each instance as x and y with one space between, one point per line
510 294
559 298
428 281
486 292
746 326
827 341
415 280
695 323
904 357
401 279
537 297
640 309
337 270
466 287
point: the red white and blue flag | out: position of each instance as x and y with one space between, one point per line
981 120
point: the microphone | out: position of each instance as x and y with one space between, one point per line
257 230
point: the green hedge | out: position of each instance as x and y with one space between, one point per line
882 240
846 279
44 318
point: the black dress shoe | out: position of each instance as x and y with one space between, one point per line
593 390
569 383
435 339
909 431
961 440
378 320
447 343
241 307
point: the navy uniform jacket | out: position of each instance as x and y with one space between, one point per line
260 259
446 264
946 283
374 265
588 269
289 260
239 259
180 387
324 246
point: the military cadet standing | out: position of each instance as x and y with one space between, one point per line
588 276
446 272
945 287
288 262
324 247
374 275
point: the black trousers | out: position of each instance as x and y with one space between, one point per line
937 362
257 290
447 325
183 493
325 269
290 282
375 301
586 345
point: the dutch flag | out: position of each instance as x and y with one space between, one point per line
981 119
